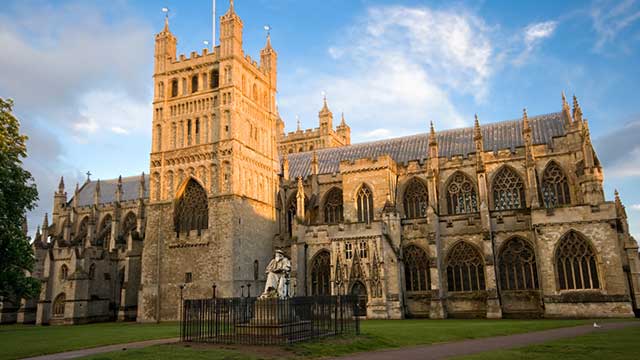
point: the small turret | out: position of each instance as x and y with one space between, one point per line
285 166
344 131
433 142
269 62
59 200
326 118
620 210
45 228
119 190
165 50
96 194
230 33
577 111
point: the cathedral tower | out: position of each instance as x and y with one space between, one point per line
213 169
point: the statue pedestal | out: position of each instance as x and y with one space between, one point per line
275 320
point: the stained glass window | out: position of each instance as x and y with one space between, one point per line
333 207
416 269
517 266
191 209
461 195
555 187
508 190
465 268
576 263
415 199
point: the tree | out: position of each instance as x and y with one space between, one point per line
18 194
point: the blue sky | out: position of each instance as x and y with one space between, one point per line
80 72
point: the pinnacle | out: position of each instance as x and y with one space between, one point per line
61 184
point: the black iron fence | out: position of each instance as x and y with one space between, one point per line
267 321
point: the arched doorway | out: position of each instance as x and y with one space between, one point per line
360 292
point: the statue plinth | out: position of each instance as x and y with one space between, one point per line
275 318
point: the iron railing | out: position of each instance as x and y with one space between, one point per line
254 321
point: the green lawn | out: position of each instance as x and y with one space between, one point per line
376 334
614 344
18 341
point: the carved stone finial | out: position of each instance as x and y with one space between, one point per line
61 185
477 132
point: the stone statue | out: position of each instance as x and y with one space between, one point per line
277 277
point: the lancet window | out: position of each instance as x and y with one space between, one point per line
415 199
555 187
364 204
58 305
508 190
576 264
465 268
461 195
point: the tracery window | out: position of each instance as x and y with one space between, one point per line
333 207
465 268
508 190
58 305
129 225
321 274
416 269
461 195
576 263
555 187
191 209
364 205
415 199
517 266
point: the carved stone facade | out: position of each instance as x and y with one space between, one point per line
508 219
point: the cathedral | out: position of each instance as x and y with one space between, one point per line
498 220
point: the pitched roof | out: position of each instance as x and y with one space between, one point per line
496 136
130 186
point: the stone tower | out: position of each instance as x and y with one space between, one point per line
213 168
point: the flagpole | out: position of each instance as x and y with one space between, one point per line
213 43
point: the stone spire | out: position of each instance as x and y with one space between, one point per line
300 200
119 189
342 121
96 194
298 123
61 185
526 134
45 222
477 139
566 111
314 163
432 135
620 210
141 187
577 111
325 107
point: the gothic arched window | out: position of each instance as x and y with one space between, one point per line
508 190
416 269
174 88
64 272
189 132
191 210
333 207
104 232
461 195
364 205
58 305
517 266
576 263
321 274
415 199
555 187
465 268
174 132
197 133
129 225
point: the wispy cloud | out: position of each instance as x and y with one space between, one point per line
610 17
619 150
531 37
635 207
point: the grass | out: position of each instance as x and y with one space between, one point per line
376 335
17 341
613 344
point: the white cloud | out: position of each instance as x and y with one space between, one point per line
119 130
619 151
402 65
376 134
635 207
609 18
532 36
